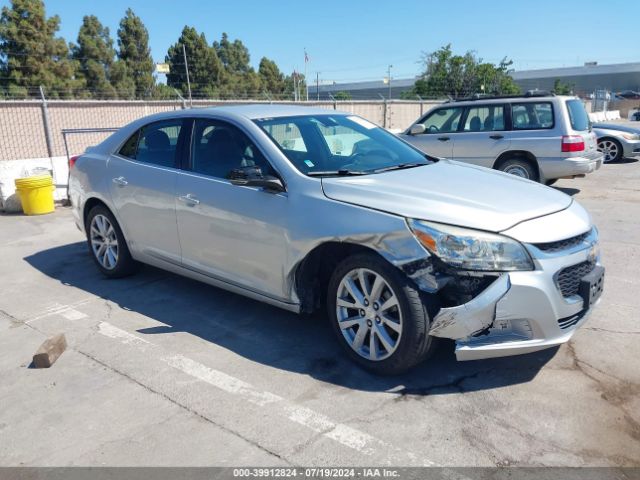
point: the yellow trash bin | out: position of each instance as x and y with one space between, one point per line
36 194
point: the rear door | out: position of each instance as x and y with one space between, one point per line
143 180
441 127
483 136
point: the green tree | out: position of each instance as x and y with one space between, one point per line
447 74
95 55
271 77
30 53
296 79
205 69
233 55
561 88
240 79
342 95
133 50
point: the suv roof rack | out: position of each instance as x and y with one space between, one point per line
527 94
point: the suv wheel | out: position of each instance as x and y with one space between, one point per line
519 168
611 148
378 315
107 244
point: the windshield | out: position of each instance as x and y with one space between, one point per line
578 115
339 145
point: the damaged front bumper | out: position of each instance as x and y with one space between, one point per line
519 312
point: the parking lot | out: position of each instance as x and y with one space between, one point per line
162 370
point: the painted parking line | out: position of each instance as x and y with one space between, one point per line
345 435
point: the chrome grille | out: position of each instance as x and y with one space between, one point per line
560 245
568 279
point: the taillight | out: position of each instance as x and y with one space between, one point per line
72 161
572 143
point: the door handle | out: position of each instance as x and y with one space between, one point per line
443 139
496 137
189 199
120 181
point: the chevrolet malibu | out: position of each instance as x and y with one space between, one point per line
316 210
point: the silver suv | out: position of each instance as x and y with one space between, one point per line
311 210
541 137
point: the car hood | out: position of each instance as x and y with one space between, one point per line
620 128
450 192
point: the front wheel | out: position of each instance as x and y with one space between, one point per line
378 315
611 148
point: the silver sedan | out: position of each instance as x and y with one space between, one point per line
617 141
309 209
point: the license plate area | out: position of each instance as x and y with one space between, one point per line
591 286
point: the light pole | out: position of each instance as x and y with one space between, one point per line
389 80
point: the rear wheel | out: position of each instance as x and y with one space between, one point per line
611 148
107 244
518 167
378 315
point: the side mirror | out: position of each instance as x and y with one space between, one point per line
417 129
253 177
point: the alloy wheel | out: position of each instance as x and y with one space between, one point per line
369 315
104 241
609 148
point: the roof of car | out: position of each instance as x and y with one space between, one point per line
250 111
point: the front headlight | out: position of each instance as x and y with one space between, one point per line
631 136
471 249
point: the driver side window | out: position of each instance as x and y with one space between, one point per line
220 148
443 120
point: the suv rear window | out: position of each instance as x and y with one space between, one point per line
532 115
578 115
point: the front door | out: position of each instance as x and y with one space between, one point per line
142 178
233 233
439 135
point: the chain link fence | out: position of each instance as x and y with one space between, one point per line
25 125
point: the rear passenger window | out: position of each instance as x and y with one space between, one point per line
156 143
532 115
130 147
485 119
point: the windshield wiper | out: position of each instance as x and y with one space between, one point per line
400 166
338 173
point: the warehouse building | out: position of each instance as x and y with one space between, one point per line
584 80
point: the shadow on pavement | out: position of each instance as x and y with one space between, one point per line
271 336
569 191
624 160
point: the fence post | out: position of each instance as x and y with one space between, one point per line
421 104
47 127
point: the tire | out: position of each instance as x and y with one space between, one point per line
548 183
405 326
114 260
611 148
518 167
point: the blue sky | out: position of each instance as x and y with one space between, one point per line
356 39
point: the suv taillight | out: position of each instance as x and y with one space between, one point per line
72 161
572 143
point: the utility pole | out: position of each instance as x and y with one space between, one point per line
186 69
318 86
389 80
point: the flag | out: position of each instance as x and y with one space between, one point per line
306 57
